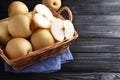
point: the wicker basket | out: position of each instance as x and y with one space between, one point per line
44 53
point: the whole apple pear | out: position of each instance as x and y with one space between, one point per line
17 7
19 26
4 34
53 4
18 47
41 38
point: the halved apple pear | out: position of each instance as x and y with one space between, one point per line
41 21
44 11
42 16
62 29
57 29
68 29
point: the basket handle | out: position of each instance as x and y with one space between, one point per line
65 8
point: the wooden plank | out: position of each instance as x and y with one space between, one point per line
94 62
97 25
78 76
79 2
98 31
89 76
87 7
96 20
95 45
62 76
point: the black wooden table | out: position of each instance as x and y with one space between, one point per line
97 50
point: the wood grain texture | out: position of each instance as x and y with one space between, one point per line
94 7
98 25
102 20
94 62
106 26
92 45
62 76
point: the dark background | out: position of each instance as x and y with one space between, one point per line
97 50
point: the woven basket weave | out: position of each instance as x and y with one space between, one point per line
43 53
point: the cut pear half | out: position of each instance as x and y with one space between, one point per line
62 29
44 11
68 29
57 29
41 21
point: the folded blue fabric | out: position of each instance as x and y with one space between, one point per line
46 66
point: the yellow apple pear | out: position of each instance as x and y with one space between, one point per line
41 38
53 4
4 34
17 7
19 26
18 47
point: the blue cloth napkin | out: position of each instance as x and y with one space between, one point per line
46 66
